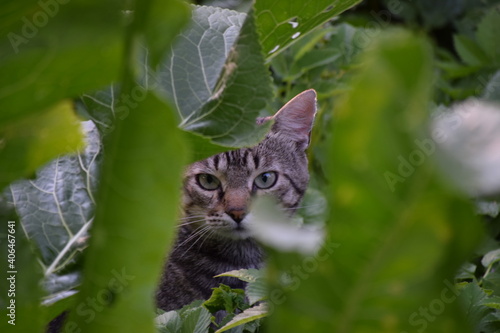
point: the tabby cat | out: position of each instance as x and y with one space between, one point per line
215 232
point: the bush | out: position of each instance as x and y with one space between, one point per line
99 120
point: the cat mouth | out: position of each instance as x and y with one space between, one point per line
235 232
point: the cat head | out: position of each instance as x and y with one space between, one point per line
218 190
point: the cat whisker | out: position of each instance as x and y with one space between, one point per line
191 217
200 236
188 223
195 234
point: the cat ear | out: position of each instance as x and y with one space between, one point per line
294 120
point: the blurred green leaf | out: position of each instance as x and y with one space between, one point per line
21 281
145 157
165 16
487 34
34 140
48 44
56 208
437 14
470 52
384 208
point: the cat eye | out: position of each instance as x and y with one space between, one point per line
266 180
207 181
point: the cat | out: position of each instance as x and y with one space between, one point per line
215 232
214 235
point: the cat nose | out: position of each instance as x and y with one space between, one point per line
237 214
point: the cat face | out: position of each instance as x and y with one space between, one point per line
218 191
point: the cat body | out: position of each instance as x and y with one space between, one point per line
215 232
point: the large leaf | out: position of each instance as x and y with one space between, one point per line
138 200
191 71
387 201
281 23
56 208
35 140
217 78
53 50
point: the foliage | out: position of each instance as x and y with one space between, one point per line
242 309
157 89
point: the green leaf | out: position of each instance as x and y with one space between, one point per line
281 23
491 302
466 272
437 14
247 275
145 158
492 281
169 322
257 291
49 52
190 73
55 305
225 298
56 208
250 314
469 51
490 258
473 298
29 142
313 207
383 209
20 287
166 16
487 34
311 60
223 50
195 320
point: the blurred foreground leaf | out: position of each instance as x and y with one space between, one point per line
138 200
387 203
21 281
64 188
32 141
53 50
